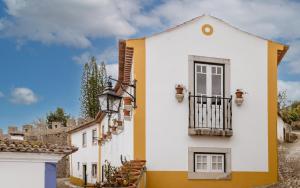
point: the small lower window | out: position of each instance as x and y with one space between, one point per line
209 163
94 170
78 166
205 162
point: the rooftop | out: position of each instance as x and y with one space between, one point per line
7 145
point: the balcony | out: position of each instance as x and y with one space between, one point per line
210 116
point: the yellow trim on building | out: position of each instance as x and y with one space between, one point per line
179 179
139 65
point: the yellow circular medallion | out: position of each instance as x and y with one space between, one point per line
207 29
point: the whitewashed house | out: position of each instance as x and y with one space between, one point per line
26 164
206 107
84 167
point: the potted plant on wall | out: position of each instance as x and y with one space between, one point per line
179 92
126 114
119 125
239 99
127 103
109 135
114 129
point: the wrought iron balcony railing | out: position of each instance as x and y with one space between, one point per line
210 115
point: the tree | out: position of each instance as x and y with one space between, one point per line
93 82
58 116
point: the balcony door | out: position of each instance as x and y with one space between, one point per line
209 93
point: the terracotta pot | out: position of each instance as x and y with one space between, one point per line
239 93
126 112
179 90
119 123
127 100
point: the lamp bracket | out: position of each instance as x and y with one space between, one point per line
132 85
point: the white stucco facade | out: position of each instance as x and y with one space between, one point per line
167 139
120 144
86 155
280 129
25 169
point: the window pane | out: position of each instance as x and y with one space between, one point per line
198 68
201 84
214 166
220 166
198 159
214 159
203 69
219 70
213 70
216 84
220 159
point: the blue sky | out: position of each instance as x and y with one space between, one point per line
44 43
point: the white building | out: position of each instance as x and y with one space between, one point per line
84 163
223 132
29 165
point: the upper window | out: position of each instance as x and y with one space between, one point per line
83 139
209 80
94 136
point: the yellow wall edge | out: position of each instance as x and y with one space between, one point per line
139 65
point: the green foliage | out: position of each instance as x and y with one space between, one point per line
289 113
58 116
93 82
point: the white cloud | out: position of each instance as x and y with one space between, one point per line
1 94
83 58
108 56
70 22
23 96
112 70
77 22
292 89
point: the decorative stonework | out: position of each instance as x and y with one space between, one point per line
207 29
210 132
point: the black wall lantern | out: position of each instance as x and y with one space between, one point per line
110 102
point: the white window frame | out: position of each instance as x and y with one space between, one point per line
84 139
94 137
194 173
209 162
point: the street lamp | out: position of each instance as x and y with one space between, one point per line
109 101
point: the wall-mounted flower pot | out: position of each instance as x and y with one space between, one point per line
109 135
126 114
114 130
104 137
127 103
179 97
179 89
239 99
179 93
120 125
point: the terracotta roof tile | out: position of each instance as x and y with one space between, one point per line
7 145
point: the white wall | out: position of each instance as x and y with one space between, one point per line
280 129
167 137
85 155
22 174
24 170
121 144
